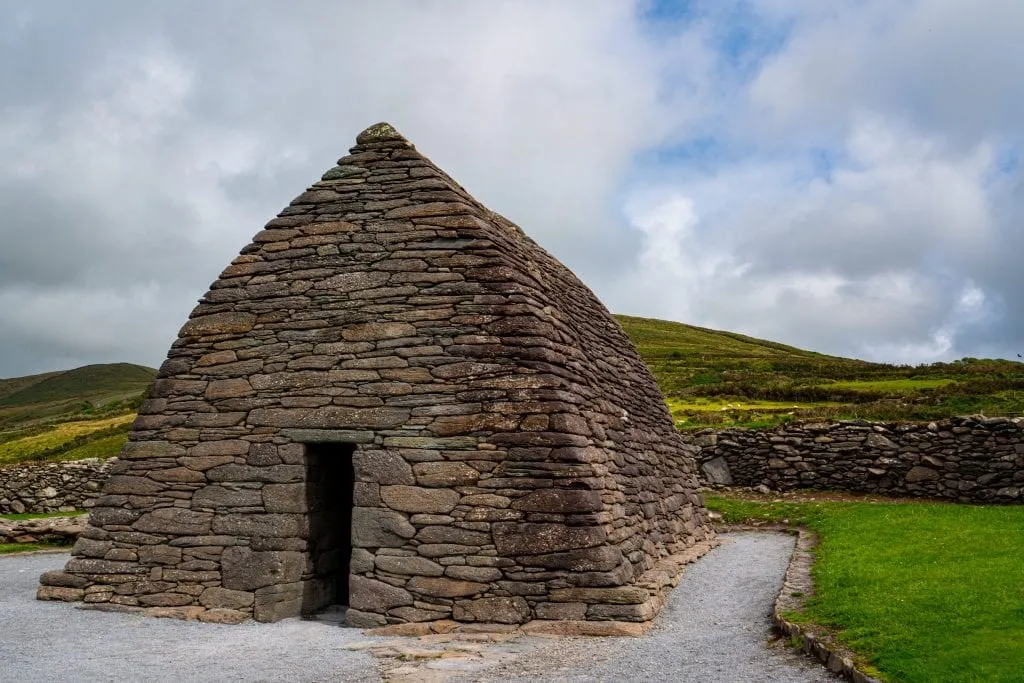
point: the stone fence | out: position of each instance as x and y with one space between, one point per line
966 459
52 486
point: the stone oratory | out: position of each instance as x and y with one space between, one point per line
394 400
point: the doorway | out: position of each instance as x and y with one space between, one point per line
329 487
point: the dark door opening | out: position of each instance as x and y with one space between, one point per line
329 487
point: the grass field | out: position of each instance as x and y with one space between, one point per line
922 592
30 404
714 378
69 438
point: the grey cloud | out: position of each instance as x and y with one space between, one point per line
146 142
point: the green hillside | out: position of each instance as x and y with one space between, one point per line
715 378
93 383
31 404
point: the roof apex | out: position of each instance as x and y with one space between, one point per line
380 132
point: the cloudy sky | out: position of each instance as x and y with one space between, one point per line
842 176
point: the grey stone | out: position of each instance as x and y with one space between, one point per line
493 610
244 569
379 528
408 565
382 467
375 596
419 499
716 471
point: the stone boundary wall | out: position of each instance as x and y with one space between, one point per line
965 459
52 486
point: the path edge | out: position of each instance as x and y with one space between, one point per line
797 586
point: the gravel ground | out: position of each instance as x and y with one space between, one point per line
51 641
714 629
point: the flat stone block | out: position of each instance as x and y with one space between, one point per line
521 538
274 603
417 499
244 569
498 610
379 528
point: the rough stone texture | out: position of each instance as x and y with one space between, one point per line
967 459
52 486
509 443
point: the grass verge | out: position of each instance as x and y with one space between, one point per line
922 591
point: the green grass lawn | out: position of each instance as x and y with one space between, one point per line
923 592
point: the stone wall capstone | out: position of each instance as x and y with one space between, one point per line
52 486
512 455
966 459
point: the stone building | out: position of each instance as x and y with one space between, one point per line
393 400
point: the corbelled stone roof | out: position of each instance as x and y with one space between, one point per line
514 458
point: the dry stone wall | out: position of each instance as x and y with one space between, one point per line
52 486
966 459
513 457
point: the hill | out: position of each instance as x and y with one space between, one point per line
38 405
712 378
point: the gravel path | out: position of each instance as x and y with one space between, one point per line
51 641
714 629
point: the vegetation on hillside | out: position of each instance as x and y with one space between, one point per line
722 378
921 591
85 412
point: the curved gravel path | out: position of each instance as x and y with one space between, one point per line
714 629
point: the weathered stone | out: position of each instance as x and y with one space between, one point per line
60 593
379 528
514 538
919 473
244 569
561 610
227 388
438 533
624 595
444 474
271 525
62 579
279 601
716 471
560 501
438 587
493 610
377 331
382 467
417 499
178 521
216 598
159 554
221 496
330 417
408 565
219 323
478 574
375 596
285 498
